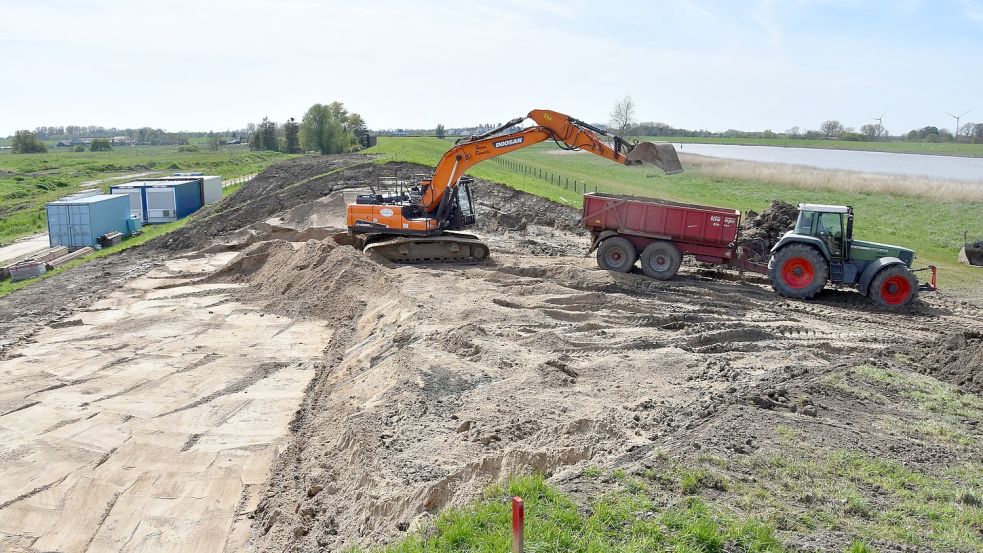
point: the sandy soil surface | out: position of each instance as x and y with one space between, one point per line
149 419
391 392
22 247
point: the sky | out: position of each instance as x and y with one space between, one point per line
749 65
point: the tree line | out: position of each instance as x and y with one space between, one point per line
324 128
622 121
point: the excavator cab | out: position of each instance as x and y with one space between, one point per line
465 202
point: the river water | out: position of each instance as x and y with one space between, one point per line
937 167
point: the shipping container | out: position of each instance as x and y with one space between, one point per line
161 201
211 185
79 222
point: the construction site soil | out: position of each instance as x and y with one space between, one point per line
408 389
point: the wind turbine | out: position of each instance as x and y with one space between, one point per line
880 124
880 120
957 118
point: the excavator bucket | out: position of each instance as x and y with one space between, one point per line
663 155
972 252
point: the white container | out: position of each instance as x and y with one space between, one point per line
211 186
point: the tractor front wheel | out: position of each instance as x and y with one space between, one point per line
798 271
894 287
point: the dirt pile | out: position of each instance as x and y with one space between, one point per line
280 188
316 279
503 208
777 219
957 359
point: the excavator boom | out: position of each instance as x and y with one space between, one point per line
419 227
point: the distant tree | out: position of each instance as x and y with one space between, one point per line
100 145
812 135
214 142
291 136
330 129
967 129
27 142
873 131
265 137
793 132
356 127
79 148
439 132
831 128
945 135
623 116
978 130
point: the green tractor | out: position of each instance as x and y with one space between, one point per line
821 249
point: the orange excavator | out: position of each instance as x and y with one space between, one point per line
424 225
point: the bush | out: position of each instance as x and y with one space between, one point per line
79 148
27 142
188 148
100 145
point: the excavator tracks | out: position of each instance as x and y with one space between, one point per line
451 247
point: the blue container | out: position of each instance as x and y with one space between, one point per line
134 224
79 222
158 201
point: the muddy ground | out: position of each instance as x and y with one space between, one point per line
430 382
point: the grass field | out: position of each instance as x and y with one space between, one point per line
899 147
934 228
28 181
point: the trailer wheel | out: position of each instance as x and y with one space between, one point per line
798 271
894 287
661 260
616 254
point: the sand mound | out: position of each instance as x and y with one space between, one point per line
771 223
317 279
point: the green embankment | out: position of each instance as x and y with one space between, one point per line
898 147
28 181
934 228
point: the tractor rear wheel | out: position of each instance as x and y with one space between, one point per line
616 254
660 260
798 271
894 287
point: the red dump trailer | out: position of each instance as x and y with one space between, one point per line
659 233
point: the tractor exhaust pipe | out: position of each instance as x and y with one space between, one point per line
662 155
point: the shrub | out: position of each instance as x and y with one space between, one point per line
188 148
27 142
100 145
79 148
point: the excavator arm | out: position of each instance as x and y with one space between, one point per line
424 226
567 132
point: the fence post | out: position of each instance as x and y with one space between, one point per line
518 525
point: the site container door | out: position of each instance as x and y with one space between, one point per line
79 226
161 207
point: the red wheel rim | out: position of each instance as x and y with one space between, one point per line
895 290
798 272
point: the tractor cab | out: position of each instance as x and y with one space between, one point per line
831 224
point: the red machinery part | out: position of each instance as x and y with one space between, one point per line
518 524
